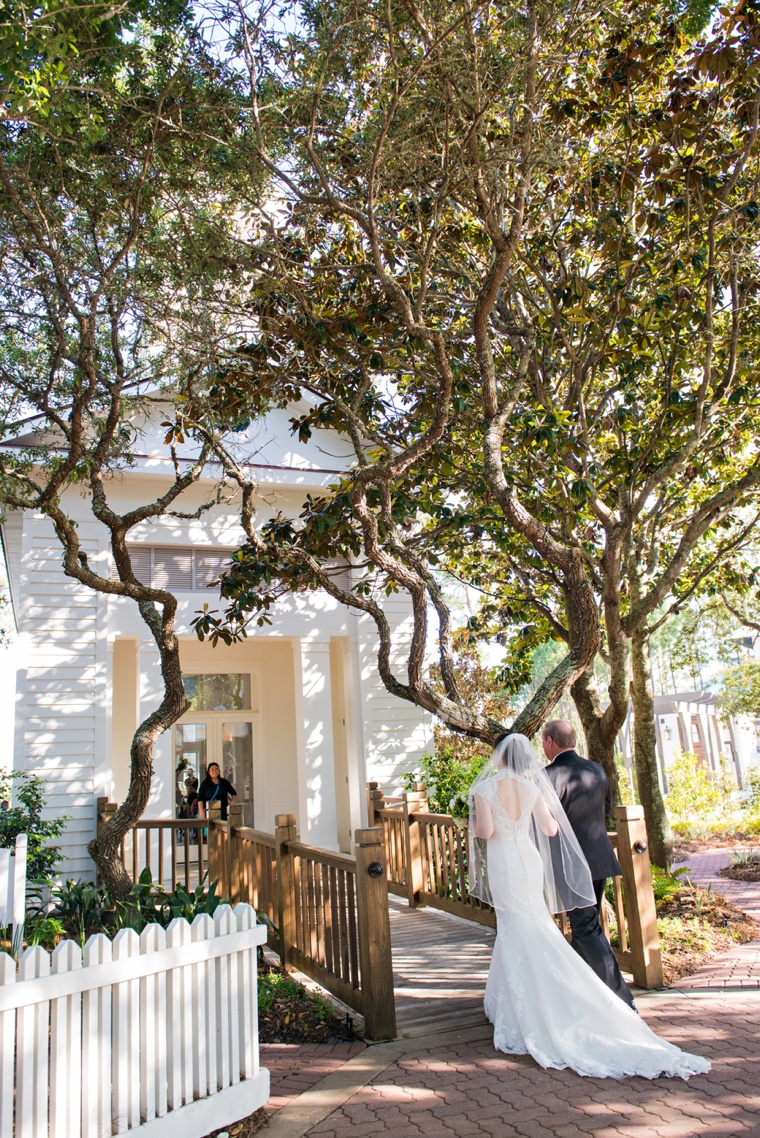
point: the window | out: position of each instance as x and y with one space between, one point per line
178 568
227 691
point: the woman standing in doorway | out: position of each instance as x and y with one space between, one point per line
214 788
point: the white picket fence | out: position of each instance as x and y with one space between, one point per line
153 1035
13 884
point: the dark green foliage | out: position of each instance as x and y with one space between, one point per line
82 909
25 817
149 903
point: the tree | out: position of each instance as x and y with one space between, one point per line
542 348
639 294
741 689
421 146
106 241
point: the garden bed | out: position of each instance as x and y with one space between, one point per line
245 1127
696 924
726 840
290 1013
743 867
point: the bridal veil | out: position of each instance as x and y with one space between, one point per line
526 788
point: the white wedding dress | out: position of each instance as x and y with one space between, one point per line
541 996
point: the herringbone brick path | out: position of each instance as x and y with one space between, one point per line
471 1091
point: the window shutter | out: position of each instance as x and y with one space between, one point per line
209 566
340 573
178 568
172 568
142 563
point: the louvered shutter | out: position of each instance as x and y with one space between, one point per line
142 563
340 573
209 566
172 568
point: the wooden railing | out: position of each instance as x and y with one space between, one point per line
428 866
253 876
327 912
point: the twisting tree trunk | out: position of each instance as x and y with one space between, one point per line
599 727
659 833
105 848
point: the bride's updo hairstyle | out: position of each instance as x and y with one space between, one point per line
515 753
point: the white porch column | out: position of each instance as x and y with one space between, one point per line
151 688
316 764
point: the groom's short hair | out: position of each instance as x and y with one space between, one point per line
560 731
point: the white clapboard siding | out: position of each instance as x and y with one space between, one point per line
396 734
154 1036
62 694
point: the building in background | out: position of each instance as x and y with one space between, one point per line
689 721
296 715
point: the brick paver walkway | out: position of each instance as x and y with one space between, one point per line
740 966
295 1068
703 870
471 1091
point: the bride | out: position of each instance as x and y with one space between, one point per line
541 996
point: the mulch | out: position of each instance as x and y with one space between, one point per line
711 925
741 872
245 1128
736 838
297 1021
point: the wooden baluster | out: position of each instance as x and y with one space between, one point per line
639 895
374 935
345 958
235 819
617 885
174 854
353 936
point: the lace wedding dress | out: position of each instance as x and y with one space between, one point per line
541 997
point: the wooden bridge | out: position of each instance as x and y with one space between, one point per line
392 930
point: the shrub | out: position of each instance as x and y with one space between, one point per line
26 818
447 779
81 908
84 908
700 801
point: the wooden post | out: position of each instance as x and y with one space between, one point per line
416 803
285 832
374 798
218 850
375 961
105 810
639 896
235 818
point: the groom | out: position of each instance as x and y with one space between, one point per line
584 791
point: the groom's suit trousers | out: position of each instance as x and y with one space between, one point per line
590 942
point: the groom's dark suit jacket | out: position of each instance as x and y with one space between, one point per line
584 791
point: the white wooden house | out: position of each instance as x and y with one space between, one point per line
297 714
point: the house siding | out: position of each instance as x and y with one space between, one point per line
61 696
397 733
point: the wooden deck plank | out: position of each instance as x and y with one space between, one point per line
440 965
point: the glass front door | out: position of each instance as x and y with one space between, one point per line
216 729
